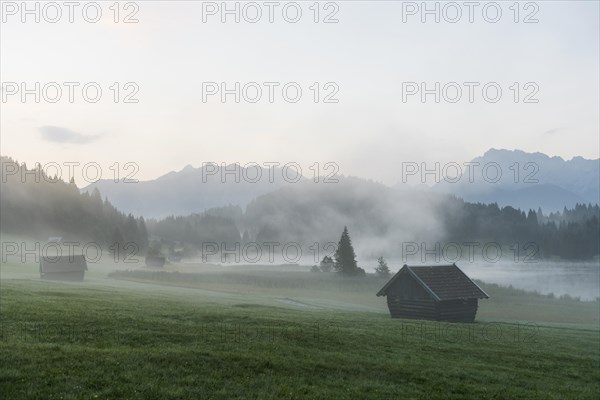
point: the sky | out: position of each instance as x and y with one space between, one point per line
369 63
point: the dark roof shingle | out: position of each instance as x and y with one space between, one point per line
71 263
443 282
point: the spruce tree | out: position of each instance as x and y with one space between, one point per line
382 268
345 258
117 237
327 264
143 233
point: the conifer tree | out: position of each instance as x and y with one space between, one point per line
345 258
382 268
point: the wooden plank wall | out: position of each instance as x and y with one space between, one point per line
457 310
407 308
451 311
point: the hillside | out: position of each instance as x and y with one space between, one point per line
192 190
39 206
529 181
141 341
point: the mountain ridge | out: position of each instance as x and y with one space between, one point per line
529 181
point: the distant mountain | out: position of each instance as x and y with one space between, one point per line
193 190
381 219
528 181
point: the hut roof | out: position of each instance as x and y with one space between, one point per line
72 263
443 282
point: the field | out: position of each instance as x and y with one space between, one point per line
207 332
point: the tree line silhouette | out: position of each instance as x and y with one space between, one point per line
46 206
36 205
570 234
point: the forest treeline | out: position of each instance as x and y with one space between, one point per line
36 205
570 234
380 219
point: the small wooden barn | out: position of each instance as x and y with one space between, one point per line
435 292
63 268
155 261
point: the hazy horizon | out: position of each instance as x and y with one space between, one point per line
368 55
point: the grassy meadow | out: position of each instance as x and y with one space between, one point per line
210 332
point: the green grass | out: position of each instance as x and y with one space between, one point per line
319 290
114 339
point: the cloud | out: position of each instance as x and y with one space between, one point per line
58 134
552 131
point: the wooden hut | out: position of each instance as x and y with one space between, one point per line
436 292
155 261
63 268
